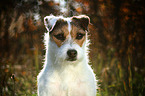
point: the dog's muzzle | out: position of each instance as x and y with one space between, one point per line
72 54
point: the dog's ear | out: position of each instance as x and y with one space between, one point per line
82 21
49 22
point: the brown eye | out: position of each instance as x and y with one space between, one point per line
60 36
80 36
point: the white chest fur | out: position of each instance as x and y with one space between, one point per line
71 80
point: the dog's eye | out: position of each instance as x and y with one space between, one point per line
60 36
80 36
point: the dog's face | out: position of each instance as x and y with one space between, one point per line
67 36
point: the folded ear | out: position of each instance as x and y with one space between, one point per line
49 22
82 21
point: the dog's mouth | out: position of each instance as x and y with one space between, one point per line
71 59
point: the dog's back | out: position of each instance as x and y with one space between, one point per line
66 71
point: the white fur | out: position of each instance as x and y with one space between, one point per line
60 77
69 25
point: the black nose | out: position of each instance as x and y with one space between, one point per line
72 54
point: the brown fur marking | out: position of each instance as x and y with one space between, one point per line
74 32
61 27
62 30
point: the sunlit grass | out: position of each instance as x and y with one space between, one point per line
112 78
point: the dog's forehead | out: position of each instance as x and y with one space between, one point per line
67 22
63 22
80 21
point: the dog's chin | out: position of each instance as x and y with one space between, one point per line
71 59
75 59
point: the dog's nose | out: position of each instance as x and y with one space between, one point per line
72 54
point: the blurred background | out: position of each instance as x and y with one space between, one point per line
117 50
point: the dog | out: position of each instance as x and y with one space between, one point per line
66 71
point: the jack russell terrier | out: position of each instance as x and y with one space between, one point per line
66 71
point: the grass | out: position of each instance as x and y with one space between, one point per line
113 80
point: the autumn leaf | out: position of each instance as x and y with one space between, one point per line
51 3
86 4
31 25
79 9
102 6
130 37
6 70
105 24
125 10
126 17
23 73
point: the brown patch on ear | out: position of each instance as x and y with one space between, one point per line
59 24
81 21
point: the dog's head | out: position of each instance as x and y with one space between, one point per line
68 36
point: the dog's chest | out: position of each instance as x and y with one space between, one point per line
67 82
66 77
